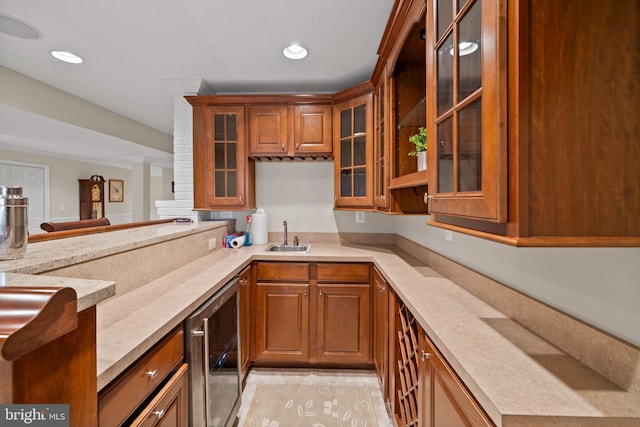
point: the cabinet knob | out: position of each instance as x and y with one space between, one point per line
152 374
427 197
297 146
283 147
320 292
158 414
305 292
425 355
242 281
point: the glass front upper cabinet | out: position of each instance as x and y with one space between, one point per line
467 109
353 153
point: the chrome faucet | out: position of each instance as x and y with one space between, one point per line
285 233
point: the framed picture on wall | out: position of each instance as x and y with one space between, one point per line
116 190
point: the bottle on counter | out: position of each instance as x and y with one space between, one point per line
247 240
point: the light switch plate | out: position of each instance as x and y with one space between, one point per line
213 244
448 235
226 214
360 219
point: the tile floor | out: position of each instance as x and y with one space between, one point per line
314 376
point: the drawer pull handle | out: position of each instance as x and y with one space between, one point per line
158 414
152 374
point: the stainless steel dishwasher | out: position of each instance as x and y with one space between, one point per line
212 354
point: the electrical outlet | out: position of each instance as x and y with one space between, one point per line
213 244
448 235
226 214
360 217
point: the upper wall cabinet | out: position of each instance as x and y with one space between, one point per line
290 130
353 150
553 160
223 175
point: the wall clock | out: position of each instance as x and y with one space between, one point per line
116 190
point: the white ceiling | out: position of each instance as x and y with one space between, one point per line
235 46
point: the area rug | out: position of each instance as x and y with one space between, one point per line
287 405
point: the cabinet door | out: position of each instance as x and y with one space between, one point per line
353 153
381 151
312 129
282 322
169 408
343 323
244 294
223 176
268 130
380 328
445 401
467 109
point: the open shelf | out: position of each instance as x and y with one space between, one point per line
410 180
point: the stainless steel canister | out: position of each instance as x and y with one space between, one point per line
14 223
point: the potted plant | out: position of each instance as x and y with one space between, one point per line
420 141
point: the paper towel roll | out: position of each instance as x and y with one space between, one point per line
260 227
238 242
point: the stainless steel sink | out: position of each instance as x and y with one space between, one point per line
288 248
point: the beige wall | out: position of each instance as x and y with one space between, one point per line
63 186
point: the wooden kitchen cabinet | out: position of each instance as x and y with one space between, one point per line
380 304
313 313
246 320
123 398
282 312
534 148
169 408
290 130
344 312
444 399
224 176
353 149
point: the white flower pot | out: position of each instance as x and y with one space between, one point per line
422 161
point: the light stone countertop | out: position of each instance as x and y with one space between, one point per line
89 292
518 378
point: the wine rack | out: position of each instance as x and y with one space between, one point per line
407 373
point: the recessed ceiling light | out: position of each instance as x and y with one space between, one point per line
465 48
295 51
67 56
18 28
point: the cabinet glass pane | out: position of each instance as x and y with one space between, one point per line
231 155
469 52
345 123
360 119
345 183
345 153
359 182
219 155
359 151
231 127
218 127
445 76
444 16
219 185
470 147
445 156
232 190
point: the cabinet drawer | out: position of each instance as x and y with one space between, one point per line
169 407
132 387
343 272
283 271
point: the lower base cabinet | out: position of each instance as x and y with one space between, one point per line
427 392
169 408
153 390
313 313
